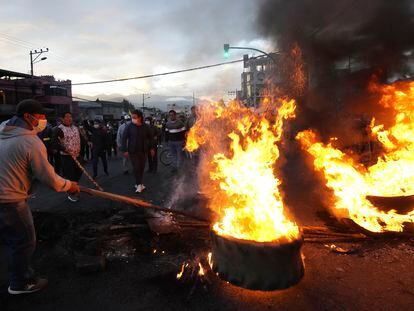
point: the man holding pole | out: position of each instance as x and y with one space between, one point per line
23 157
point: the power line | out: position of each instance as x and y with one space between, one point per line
157 74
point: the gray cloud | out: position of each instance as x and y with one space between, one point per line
94 40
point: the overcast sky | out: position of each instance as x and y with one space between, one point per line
99 40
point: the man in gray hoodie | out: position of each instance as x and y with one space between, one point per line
23 158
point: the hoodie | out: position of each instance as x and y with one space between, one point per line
23 158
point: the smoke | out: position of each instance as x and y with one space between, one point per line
186 195
379 32
343 43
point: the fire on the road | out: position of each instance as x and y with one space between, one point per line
238 169
391 175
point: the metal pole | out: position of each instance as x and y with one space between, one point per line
253 49
31 63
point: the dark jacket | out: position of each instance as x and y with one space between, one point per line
136 139
100 139
175 130
46 136
155 133
55 143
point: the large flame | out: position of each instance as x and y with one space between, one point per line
237 169
391 175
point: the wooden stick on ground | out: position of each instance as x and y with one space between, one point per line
334 239
135 202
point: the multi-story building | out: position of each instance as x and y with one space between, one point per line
55 95
257 72
99 109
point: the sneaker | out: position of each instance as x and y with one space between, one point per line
135 187
126 172
31 287
73 198
140 188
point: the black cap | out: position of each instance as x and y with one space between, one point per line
30 106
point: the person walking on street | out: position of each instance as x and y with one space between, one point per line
46 137
155 133
100 141
120 132
84 137
69 145
175 136
55 145
112 140
23 158
191 119
136 142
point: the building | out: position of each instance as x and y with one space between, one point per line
55 95
99 109
87 110
257 72
111 110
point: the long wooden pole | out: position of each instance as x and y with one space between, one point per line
135 202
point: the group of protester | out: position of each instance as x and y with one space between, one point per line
137 138
24 158
140 138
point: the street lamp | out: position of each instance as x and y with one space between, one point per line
144 97
227 47
33 60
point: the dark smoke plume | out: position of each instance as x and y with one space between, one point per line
379 32
344 43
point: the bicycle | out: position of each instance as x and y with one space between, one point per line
166 157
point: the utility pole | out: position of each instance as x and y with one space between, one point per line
33 61
144 97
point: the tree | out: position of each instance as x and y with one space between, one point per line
128 107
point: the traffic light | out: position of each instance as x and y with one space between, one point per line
246 61
226 50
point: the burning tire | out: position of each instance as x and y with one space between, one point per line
257 265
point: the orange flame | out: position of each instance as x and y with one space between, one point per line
237 169
200 270
391 175
180 274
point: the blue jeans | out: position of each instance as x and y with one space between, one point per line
17 229
176 148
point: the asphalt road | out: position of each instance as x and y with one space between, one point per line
141 266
